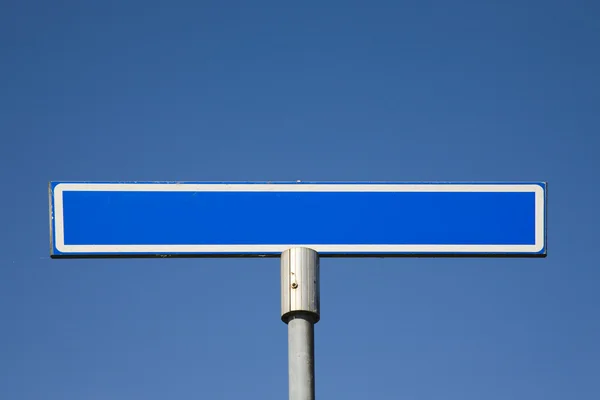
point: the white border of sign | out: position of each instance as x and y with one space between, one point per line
278 248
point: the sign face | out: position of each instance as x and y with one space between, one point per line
264 219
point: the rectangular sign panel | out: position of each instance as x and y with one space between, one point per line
264 219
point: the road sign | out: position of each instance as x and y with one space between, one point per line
134 219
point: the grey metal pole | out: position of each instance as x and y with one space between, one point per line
300 310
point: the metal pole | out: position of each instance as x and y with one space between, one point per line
300 310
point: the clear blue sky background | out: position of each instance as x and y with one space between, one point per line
277 90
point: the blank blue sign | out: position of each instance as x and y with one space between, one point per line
264 219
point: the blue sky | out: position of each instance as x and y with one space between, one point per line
323 91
